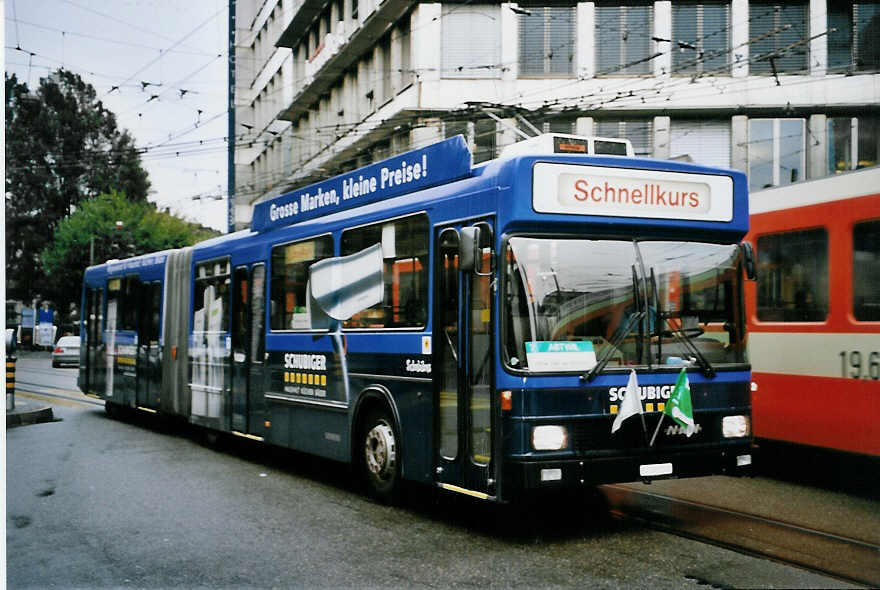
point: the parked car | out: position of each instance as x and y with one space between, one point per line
66 351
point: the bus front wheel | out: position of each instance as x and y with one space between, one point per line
380 456
113 410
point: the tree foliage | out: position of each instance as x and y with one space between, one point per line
62 148
111 226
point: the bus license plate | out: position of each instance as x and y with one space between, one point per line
655 469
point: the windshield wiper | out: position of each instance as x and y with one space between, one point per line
679 334
620 335
606 355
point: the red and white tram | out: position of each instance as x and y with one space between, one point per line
814 313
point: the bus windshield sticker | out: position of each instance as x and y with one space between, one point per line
548 357
594 190
346 285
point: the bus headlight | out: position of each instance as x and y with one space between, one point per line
735 426
549 438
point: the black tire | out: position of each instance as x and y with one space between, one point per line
113 410
380 458
212 439
55 365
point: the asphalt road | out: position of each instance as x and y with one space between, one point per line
34 370
95 502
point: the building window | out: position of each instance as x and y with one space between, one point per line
470 41
866 271
639 132
403 37
853 35
405 272
623 39
547 43
852 142
485 141
480 135
290 276
705 142
776 152
793 276
385 49
558 125
779 37
700 37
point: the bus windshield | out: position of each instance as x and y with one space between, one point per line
573 304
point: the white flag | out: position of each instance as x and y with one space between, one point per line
631 404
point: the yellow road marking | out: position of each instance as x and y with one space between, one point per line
70 403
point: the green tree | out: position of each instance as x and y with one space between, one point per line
111 226
62 147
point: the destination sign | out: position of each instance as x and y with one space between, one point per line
628 192
435 164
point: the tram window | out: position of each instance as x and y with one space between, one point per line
209 350
258 286
793 276
124 293
866 271
290 276
405 272
211 298
240 308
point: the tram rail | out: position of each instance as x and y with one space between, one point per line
844 558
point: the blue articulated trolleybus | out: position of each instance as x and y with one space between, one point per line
475 328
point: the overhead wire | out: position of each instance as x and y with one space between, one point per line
337 126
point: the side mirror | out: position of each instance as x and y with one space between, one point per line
469 248
749 260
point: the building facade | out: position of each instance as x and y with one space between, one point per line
782 90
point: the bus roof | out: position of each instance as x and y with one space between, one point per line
520 189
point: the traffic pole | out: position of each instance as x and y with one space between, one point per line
10 383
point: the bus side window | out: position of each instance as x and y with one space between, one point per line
290 275
793 276
404 252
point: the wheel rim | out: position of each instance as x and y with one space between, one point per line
381 451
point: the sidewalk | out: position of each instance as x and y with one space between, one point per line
27 412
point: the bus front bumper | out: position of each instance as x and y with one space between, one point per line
535 474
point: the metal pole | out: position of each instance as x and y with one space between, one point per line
230 139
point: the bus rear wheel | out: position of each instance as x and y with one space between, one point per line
380 456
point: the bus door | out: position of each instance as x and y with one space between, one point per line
149 374
94 355
248 338
462 363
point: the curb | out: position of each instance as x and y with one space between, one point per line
36 416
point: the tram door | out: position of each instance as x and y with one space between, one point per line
248 346
462 364
149 374
94 355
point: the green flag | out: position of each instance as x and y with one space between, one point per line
679 407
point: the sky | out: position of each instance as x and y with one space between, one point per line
159 65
